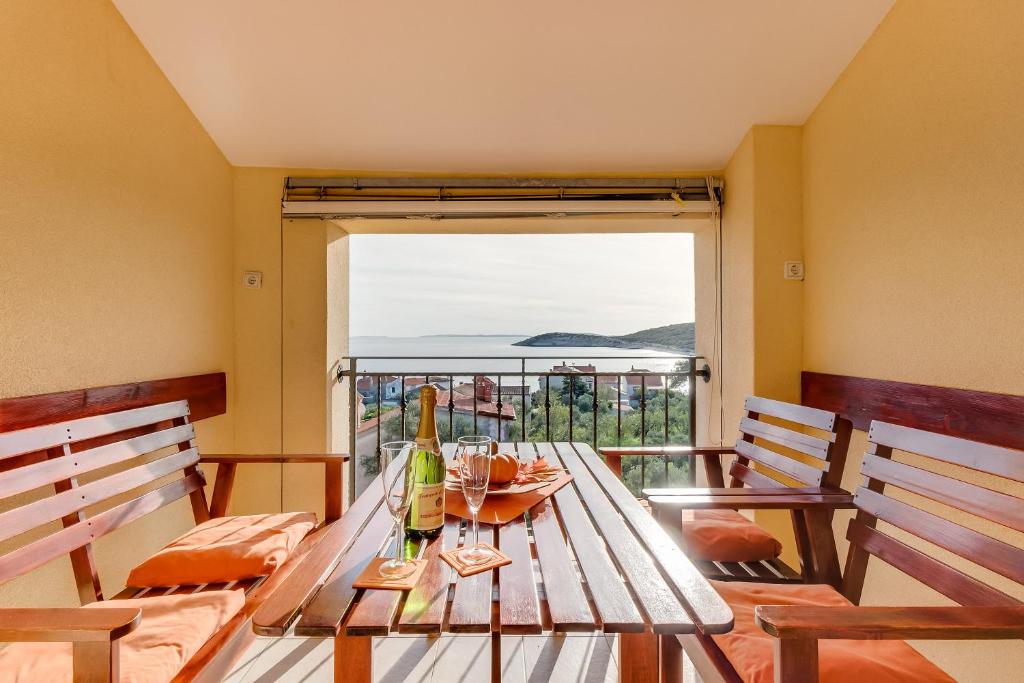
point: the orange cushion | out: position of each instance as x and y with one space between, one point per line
225 549
749 648
726 536
172 630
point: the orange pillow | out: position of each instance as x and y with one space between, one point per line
173 629
225 549
750 649
726 536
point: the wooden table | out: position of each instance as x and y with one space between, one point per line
587 559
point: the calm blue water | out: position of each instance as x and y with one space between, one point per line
538 359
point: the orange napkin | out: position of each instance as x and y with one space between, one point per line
502 509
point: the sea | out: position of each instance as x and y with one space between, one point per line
486 354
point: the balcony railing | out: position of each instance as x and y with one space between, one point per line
578 402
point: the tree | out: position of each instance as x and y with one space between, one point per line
680 366
580 386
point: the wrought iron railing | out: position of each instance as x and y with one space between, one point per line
664 400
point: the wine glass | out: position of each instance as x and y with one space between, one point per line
474 461
396 459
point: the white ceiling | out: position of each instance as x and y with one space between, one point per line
482 86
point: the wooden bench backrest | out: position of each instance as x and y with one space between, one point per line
1002 467
765 444
111 452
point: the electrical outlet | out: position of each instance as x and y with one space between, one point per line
252 279
794 270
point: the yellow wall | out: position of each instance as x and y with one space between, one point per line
288 336
115 238
762 311
761 230
738 226
913 209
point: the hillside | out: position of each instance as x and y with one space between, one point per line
678 338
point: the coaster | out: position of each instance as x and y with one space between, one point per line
370 577
452 558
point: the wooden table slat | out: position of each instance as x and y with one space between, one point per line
567 602
471 606
518 604
376 609
615 606
656 598
322 616
427 603
711 613
276 614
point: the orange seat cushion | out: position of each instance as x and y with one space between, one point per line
225 549
749 648
726 536
173 629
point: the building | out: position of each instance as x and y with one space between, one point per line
462 401
641 378
556 381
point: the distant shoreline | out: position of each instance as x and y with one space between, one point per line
437 336
676 338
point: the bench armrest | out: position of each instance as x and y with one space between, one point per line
227 463
738 500
654 451
66 624
759 491
613 457
892 623
273 458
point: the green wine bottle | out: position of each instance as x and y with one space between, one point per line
426 513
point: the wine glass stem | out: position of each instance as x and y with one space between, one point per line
476 528
400 554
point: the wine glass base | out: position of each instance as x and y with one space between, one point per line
475 554
393 569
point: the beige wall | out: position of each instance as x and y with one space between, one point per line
909 191
761 230
289 336
762 311
115 238
913 206
738 226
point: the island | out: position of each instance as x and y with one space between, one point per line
676 338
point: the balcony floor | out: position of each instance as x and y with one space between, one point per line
464 659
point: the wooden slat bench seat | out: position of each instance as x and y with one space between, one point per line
797 467
913 495
94 475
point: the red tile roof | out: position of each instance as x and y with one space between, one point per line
574 368
464 404
651 382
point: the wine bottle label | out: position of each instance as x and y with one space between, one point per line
427 507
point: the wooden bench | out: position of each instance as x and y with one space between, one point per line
766 475
983 611
72 463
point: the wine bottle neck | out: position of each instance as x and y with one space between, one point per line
428 426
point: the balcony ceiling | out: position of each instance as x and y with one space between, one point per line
498 87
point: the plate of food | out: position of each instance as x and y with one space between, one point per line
509 475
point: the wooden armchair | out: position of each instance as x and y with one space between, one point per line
801 637
798 468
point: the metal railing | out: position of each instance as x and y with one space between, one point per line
659 396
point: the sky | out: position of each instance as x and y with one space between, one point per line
413 285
